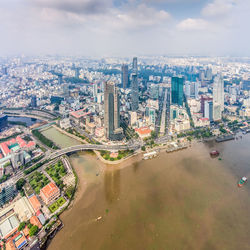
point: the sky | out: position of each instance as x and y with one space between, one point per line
125 27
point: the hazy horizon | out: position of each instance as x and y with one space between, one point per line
123 28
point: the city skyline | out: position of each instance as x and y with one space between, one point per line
123 28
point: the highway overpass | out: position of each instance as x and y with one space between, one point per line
83 147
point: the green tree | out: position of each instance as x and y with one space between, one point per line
21 226
143 148
33 230
20 183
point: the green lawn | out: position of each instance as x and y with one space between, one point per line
56 172
54 206
38 181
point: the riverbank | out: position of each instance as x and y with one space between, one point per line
186 195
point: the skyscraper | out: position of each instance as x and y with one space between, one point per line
177 90
135 68
113 131
134 87
134 93
124 76
218 97
203 100
33 102
208 110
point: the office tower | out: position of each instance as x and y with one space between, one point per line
246 85
33 102
203 100
60 79
188 89
135 68
208 110
177 90
124 76
95 90
3 121
208 74
134 93
194 89
5 71
154 91
218 97
77 73
7 193
151 113
216 112
113 131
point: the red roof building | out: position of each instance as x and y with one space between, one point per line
50 193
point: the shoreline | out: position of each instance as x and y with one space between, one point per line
84 184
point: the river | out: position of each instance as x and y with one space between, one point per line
182 200
29 121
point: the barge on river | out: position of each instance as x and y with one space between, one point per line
224 138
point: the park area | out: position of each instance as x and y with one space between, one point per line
56 172
54 206
37 181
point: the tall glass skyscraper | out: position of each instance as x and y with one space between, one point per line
135 68
113 131
124 76
218 97
218 91
134 87
177 90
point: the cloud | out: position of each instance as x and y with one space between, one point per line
191 24
86 7
218 8
141 17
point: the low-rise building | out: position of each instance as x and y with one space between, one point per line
143 132
49 193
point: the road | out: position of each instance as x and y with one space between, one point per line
71 149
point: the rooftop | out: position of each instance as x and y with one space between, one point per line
79 113
49 189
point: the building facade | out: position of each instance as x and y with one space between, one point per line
177 90
125 76
113 131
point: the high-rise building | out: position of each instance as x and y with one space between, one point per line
7 193
135 68
246 85
124 76
95 90
134 93
216 112
113 131
177 90
5 71
33 102
218 97
203 100
208 110
77 73
154 91
59 79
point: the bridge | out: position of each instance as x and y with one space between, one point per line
83 147
37 114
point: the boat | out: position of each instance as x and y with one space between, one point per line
214 153
242 181
224 138
99 218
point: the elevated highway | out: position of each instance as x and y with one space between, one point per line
83 147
